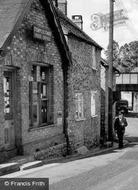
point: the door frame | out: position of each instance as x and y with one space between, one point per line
13 116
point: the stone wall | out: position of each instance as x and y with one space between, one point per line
83 78
52 152
23 51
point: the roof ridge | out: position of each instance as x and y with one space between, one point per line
17 22
63 16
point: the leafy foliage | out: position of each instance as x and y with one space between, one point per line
125 58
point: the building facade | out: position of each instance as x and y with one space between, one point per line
127 88
32 82
83 86
49 82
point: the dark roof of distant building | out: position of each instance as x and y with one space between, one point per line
106 65
74 29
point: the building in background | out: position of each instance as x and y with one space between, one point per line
127 88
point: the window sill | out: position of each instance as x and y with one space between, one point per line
93 116
80 119
95 69
40 127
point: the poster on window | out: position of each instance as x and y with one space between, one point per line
38 73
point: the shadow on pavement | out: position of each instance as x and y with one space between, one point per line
108 151
131 139
131 142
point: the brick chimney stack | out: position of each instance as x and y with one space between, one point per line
77 19
62 5
55 2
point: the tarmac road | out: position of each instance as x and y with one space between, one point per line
116 170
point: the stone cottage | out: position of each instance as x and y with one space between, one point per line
32 78
49 81
83 85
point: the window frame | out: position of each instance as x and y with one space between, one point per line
36 78
79 104
8 115
94 58
93 94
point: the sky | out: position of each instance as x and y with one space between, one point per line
123 33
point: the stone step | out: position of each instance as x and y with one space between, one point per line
22 159
31 165
9 168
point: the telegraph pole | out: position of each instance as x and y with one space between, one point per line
110 73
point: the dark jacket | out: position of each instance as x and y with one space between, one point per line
119 126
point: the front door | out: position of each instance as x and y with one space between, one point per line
9 131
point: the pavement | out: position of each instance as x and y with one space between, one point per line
97 169
27 162
24 163
114 168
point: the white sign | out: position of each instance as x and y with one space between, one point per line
100 20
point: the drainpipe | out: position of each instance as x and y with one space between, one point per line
65 79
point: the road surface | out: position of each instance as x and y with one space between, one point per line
116 170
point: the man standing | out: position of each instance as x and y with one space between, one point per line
119 127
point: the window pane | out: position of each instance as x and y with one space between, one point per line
93 103
133 78
43 74
93 57
33 73
44 111
126 78
35 113
79 105
7 94
38 73
33 103
119 79
41 96
43 91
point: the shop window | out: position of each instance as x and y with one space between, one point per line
93 103
41 96
79 106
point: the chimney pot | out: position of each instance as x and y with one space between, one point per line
78 20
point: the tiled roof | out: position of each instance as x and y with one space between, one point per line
74 29
104 62
12 13
10 10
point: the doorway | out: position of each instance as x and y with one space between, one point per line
9 105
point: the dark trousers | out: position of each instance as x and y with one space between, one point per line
120 139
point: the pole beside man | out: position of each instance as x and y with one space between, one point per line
119 127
